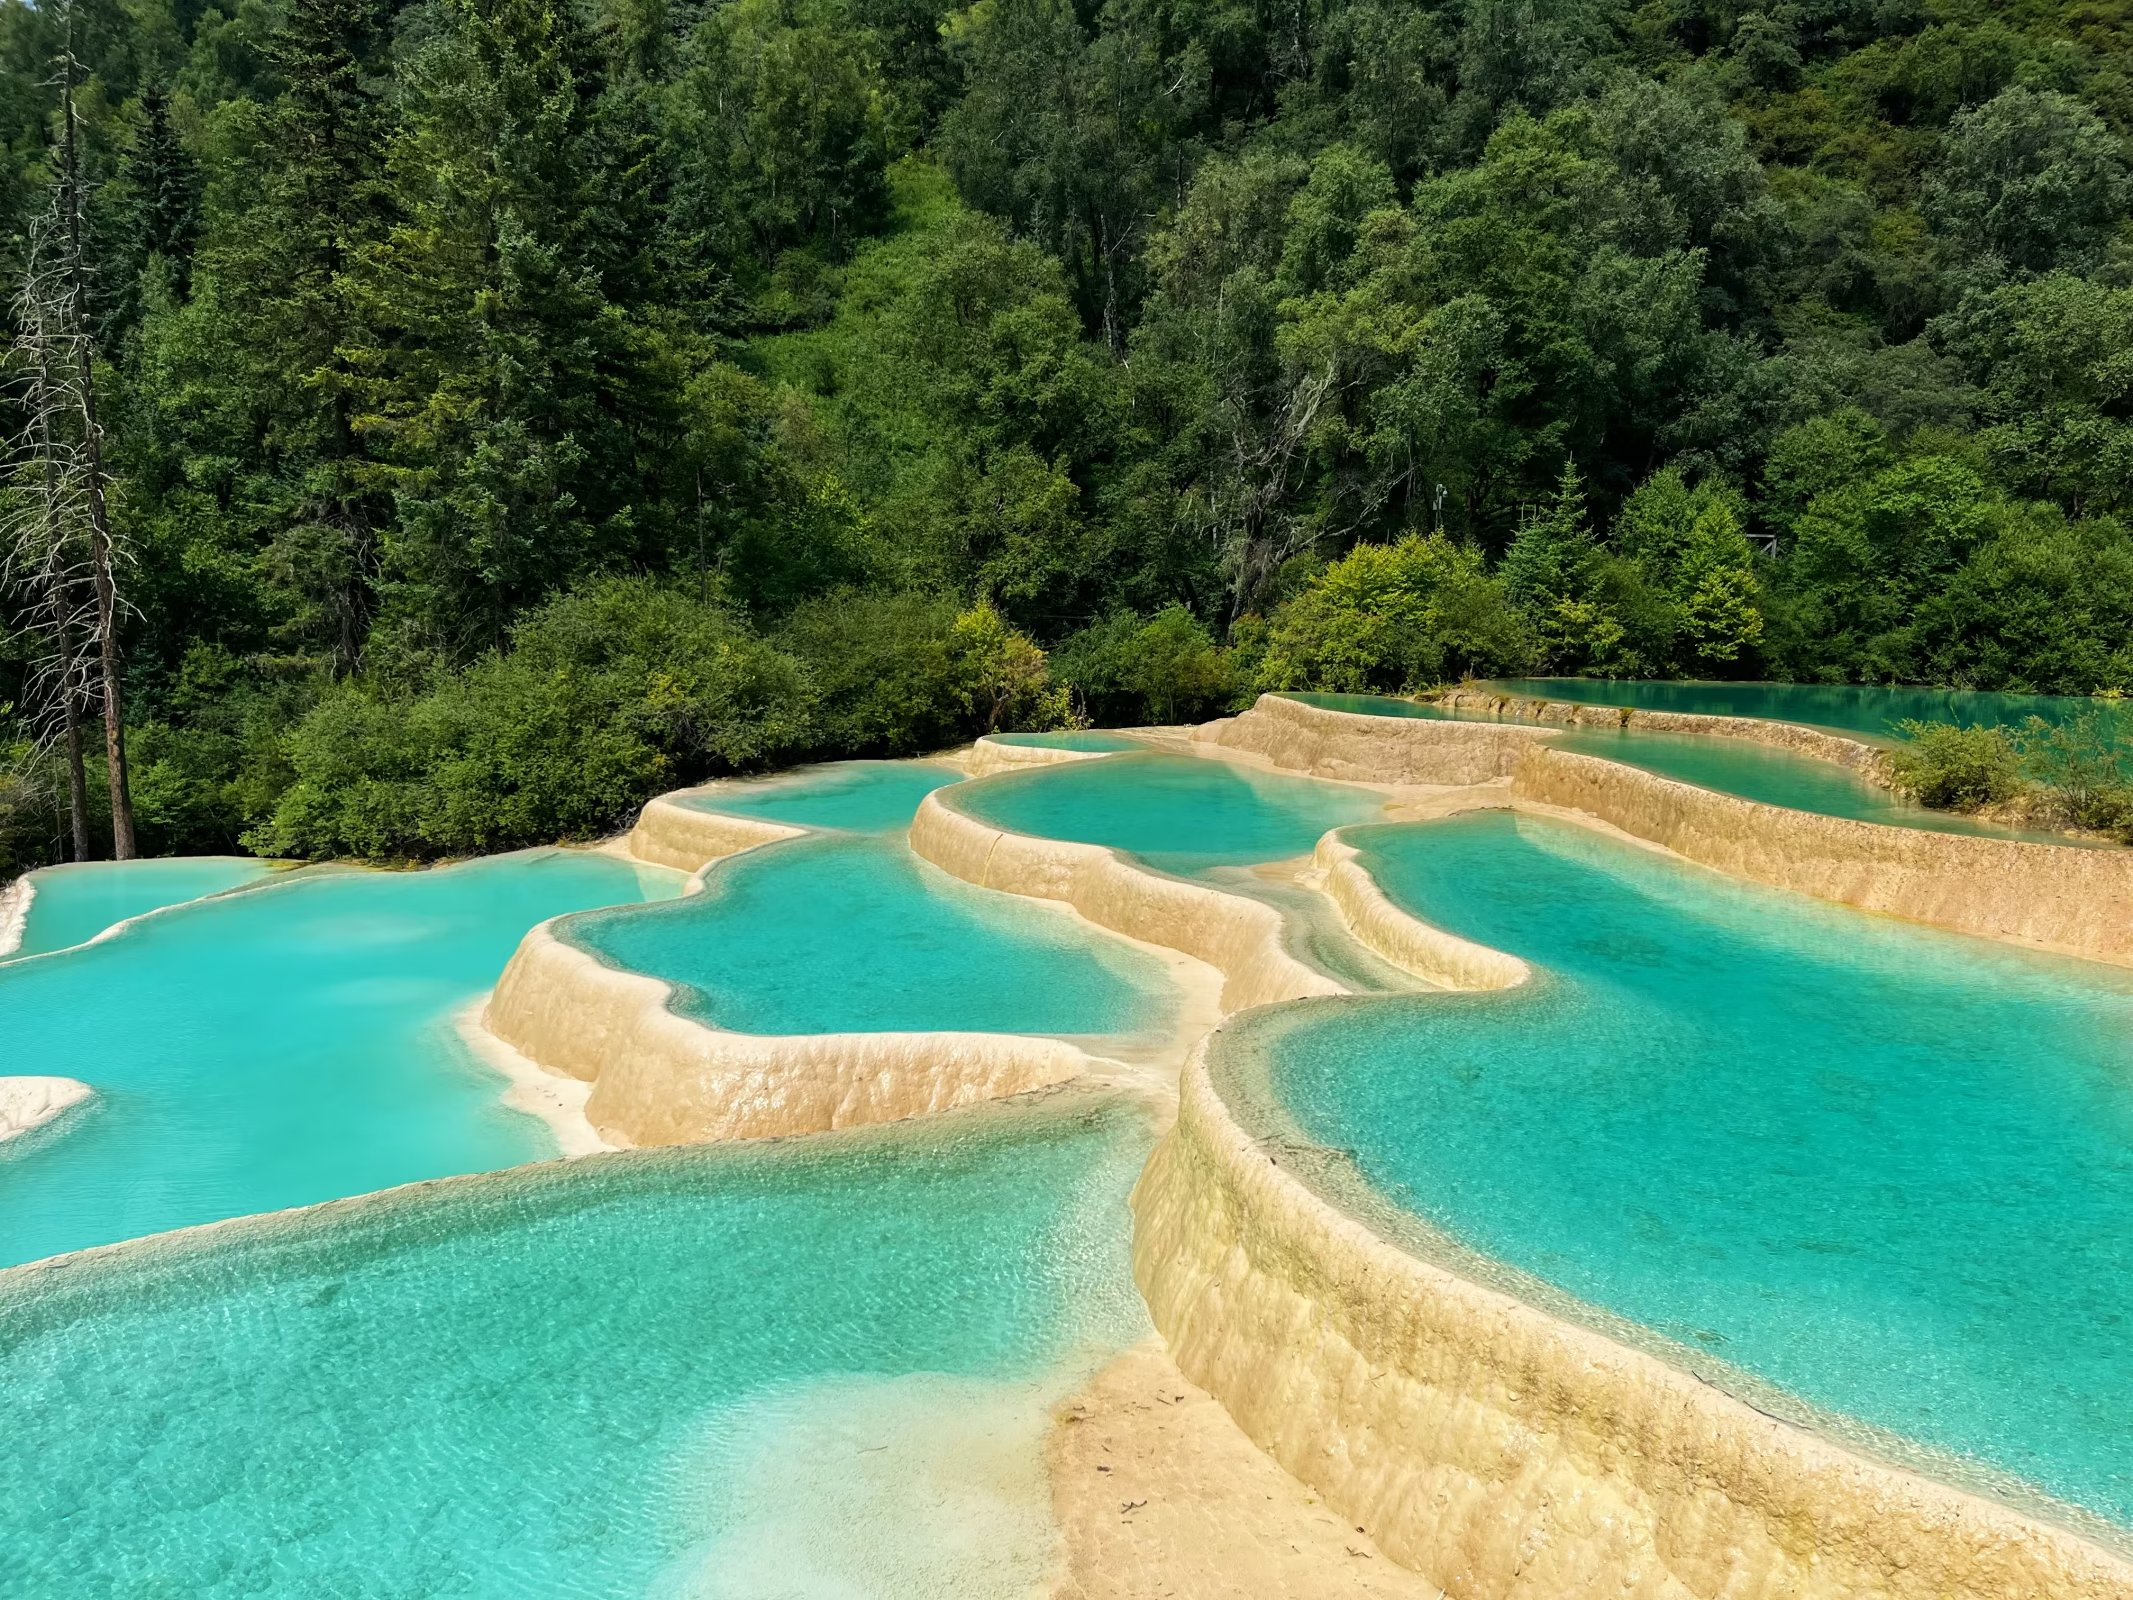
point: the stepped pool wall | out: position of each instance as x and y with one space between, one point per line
1240 938
662 1078
1355 747
991 755
671 833
2064 898
1507 1454
1858 755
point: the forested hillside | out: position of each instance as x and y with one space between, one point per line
513 407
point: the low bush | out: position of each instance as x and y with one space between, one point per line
1956 769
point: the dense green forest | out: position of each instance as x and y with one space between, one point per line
514 407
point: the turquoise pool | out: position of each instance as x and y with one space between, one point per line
274 1048
1183 814
1368 705
74 904
1731 766
1092 739
774 1372
843 934
859 796
1846 708
1882 1168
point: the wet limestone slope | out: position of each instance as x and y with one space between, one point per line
658 1076
1498 1449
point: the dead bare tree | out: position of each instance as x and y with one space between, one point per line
60 557
44 524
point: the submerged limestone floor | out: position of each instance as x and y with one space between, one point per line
1882 1168
1182 814
72 904
840 934
769 1372
290 1044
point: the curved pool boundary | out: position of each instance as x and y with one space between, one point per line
1508 1454
659 1077
1355 747
671 833
2062 898
1860 756
1418 947
988 756
1241 939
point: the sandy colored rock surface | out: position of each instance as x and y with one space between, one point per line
1157 1494
1857 754
1506 1454
27 1103
661 1078
1240 938
2061 897
1354 747
671 834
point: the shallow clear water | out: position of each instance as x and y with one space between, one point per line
1074 739
1886 1169
1847 708
861 796
75 903
858 935
582 1380
1368 705
1776 777
278 1047
1712 761
1183 814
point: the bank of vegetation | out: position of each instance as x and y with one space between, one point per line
509 408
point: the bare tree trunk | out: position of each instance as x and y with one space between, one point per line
100 554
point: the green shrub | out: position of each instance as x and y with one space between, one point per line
2084 767
1395 617
1165 669
610 695
1956 769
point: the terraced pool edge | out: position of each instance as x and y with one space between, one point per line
1239 938
659 1077
1858 755
2061 898
1354 747
1504 1452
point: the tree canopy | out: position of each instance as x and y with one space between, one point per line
514 406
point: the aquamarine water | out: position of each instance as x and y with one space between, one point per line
1093 739
1713 761
1368 705
290 1044
75 903
1886 1169
1777 777
1184 814
842 934
860 796
584 1380
1847 708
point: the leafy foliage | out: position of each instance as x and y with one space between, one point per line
518 405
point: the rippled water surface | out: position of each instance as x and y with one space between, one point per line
73 904
286 1045
1096 739
1887 1169
841 934
1181 813
784 1372
860 796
